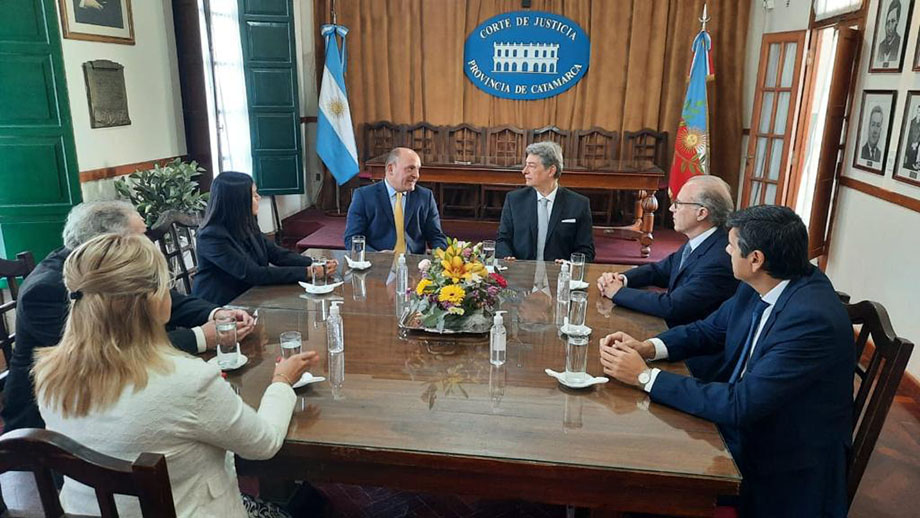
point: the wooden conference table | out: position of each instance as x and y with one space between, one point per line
641 176
429 413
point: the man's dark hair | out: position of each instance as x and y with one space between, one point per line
776 231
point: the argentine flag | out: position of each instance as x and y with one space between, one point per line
335 136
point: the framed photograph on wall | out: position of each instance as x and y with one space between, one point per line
874 130
907 166
108 21
890 41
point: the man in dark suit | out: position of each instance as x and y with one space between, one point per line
784 396
396 214
43 305
698 276
870 150
544 221
890 48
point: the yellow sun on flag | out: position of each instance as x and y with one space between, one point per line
336 107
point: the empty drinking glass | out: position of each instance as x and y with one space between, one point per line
290 344
228 349
357 249
488 253
576 358
578 267
578 306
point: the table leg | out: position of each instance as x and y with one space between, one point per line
646 215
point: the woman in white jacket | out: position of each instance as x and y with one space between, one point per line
116 385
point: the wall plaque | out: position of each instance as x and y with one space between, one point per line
105 92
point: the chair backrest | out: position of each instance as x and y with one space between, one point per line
505 146
877 377
425 139
553 134
595 148
176 232
44 451
381 137
646 144
11 271
465 143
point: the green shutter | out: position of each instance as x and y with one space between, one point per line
39 180
269 61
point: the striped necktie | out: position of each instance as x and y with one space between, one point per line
400 247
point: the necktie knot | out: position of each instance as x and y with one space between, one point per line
684 256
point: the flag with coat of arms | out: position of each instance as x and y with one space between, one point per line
691 147
335 135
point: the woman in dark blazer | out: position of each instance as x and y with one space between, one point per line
233 254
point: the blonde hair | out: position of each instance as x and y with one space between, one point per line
111 338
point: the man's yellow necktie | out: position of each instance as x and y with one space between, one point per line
400 247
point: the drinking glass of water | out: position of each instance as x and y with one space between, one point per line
488 253
319 264
578 266
357 249
228 349
290 344
578 306
576 358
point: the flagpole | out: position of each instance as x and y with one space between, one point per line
338 189
704 19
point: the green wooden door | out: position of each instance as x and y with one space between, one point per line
39 181
269 61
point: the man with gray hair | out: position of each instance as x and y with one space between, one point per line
544 221
43 305
698 276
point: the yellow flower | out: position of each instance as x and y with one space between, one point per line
452 293
422 285
456 310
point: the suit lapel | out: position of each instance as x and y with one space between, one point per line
676 269
530 214
412 202
558 207
777 310
694 255
384 199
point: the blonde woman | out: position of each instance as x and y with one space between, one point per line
116 385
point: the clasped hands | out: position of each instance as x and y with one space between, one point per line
610 283
319 270
623 357
245 323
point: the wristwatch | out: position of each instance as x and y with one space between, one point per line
644 378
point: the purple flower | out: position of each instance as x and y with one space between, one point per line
466 253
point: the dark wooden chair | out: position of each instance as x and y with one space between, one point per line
595 148
553 134
11 271
878 374
380 137
175 232
465 144
504 148
44 451
650 145
426 140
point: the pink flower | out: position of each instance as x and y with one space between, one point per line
424 265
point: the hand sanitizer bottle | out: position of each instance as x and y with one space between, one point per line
335 331
402 276
563 290
497 350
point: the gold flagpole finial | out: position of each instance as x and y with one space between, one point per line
705 18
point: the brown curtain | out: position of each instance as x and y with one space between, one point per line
405 65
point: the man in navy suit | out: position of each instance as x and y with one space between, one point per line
783 399
544 221
395 214
698 276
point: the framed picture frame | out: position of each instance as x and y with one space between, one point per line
874 131
907 166
108 21
890 40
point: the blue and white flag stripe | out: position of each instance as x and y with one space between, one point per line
335 136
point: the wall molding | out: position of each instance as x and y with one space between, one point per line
884 194
119 170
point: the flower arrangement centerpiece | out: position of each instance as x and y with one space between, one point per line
456 293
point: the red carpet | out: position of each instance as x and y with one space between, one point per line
330 230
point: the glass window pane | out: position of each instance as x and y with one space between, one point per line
755 194
772 63
770 198
788 65
759 156
782 111
776 157
766 113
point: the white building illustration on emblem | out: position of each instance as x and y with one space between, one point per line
532 58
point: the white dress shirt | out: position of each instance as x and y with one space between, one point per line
391 192
551 197
693 243
661 350
200 339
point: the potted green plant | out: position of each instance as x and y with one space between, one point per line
170 187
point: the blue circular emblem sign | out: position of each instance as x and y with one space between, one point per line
526 55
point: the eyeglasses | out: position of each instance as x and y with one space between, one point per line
678 203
